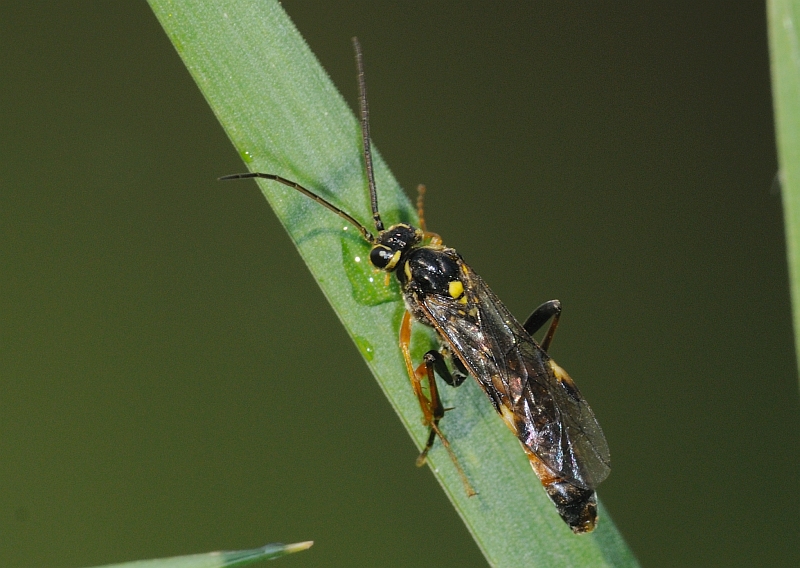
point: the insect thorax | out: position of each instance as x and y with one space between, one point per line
429 270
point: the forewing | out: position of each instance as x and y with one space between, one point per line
550 417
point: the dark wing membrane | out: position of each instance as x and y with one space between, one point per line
550 418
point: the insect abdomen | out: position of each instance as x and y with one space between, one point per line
577 506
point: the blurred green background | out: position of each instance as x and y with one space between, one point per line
172 380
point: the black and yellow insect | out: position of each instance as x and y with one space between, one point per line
535 397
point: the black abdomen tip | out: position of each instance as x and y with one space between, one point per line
577 506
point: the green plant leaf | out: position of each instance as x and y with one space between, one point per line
222 559
285 117
784 43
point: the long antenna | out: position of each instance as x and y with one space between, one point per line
364 107
308 193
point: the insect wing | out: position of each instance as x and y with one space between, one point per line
549 416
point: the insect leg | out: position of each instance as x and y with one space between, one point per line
432 407
453 378
416 384
435 239
421 189
539 317
425 370
438 411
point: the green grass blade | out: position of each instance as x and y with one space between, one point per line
285 117
223 559
784 40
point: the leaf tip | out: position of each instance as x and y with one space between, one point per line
298 546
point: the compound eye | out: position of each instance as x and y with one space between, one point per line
381 256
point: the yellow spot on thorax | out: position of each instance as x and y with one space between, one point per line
456 289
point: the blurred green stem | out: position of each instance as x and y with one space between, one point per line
784 40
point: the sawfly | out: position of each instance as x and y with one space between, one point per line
536 398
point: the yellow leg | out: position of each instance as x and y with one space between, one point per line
434 238
431 405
